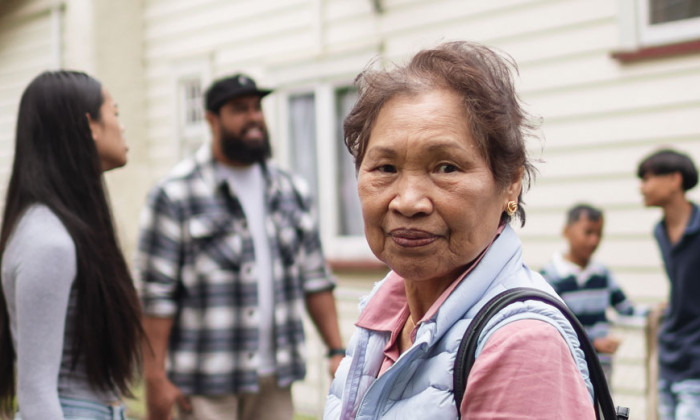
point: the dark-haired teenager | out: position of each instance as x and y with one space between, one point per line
666 176
69 314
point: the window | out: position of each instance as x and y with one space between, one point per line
662 11
190 78
302 135
190 113
350 213
314 150
652 23
303 155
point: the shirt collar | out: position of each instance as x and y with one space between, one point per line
694 223
692 228
566 268
206 166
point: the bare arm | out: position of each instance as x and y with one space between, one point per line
606 345
161 394
321 307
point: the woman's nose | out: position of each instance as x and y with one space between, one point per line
412 197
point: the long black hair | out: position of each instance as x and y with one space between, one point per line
56 164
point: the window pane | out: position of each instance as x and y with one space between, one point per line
302 130
191 102
350 223
673 10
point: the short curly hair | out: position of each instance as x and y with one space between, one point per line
484 81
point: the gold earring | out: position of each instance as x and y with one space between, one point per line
511 207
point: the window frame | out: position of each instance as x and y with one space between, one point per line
667 32
637 33
339 249
290 154
190 128
189 135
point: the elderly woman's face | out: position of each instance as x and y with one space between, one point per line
429 200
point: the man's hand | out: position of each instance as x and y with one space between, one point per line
321 308
606 345
333 363
161 397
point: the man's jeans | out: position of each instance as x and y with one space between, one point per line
679 400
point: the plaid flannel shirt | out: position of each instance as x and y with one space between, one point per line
195 263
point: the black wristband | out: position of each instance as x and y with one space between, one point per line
335 352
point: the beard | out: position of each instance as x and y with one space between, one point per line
236 148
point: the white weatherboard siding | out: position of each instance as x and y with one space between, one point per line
27 47
599 116
231 36
117 63
99 37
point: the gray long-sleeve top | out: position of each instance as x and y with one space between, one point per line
38 271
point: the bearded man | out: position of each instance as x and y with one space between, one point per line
229 249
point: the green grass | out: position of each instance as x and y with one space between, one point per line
304 417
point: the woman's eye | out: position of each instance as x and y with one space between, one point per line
387 169
446 168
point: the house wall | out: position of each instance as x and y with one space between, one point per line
118 64
28 45
100 37
599 116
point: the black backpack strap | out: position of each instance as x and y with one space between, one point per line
467 348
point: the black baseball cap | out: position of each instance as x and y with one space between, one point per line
225 89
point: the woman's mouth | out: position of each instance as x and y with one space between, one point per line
411 238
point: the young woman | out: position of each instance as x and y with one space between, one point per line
69 315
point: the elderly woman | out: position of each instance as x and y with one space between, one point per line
439 147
